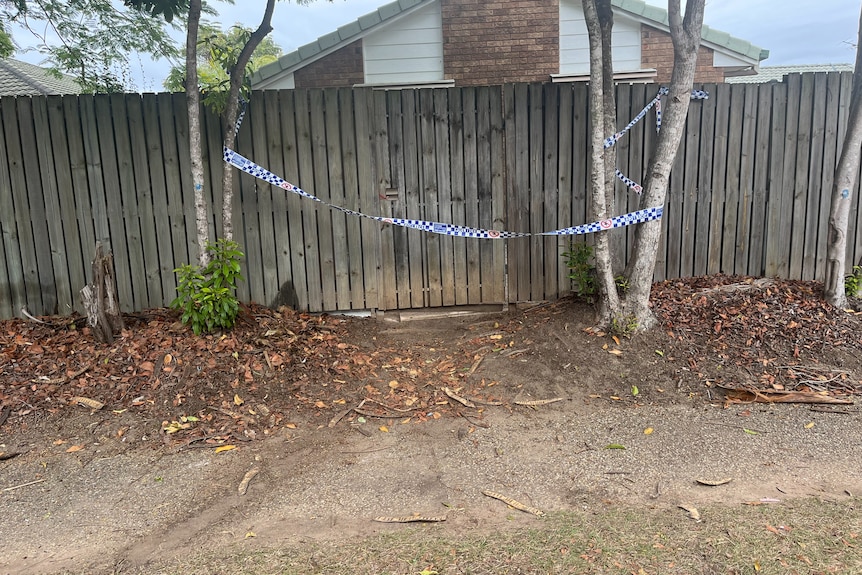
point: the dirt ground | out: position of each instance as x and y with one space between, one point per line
126 458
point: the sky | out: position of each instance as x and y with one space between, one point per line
794 31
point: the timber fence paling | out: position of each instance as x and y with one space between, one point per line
53 212
497 199
810 247
749 191
15 124
551 193
740 168
353 239
565 181
455 135
263 227
119 234
476 139
280 266
720 94
760 183
394 251
15 296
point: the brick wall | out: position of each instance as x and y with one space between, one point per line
499 41
657 52
342 68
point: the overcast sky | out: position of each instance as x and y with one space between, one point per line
794 31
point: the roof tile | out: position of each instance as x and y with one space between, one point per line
19 78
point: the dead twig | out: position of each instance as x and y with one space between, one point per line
475 422
26 314
410 519
14 487
458 398
338 417
538 402
383 405
825 409
742 427
242 488
513 503
475 366
64 379
512 352
385 447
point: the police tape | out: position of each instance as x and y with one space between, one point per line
611 140
637 217
261 173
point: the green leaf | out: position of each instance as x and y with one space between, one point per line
615 446
750 431
635 390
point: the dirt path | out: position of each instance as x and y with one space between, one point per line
121 512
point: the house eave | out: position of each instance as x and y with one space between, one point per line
334 41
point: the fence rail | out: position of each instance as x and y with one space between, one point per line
749 192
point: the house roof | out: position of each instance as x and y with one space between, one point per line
777 73
709 36
19 78
353 31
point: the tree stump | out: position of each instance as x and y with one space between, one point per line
100 298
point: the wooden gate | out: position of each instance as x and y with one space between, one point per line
445 150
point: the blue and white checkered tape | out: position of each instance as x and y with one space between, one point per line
640 216
249 167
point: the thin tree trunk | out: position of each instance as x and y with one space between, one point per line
237 76
609 100
685 33
601 187
843 185
193 98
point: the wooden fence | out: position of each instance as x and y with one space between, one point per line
749 192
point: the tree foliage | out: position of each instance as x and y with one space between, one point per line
218 54
92 40
167 9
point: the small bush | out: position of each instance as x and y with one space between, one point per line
624 326
582 270
853 283
206 296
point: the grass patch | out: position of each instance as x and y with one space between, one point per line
803 536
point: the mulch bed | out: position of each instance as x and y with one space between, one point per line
281 368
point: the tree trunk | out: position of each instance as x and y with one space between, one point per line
237 76
843 185
100 299
685 33
193 96
599 19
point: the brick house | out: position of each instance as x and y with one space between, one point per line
485 42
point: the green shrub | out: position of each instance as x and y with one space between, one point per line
206 296
624 326
853 282
582 270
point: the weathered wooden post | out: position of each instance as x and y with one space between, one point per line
100 298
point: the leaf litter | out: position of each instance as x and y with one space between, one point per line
740 337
